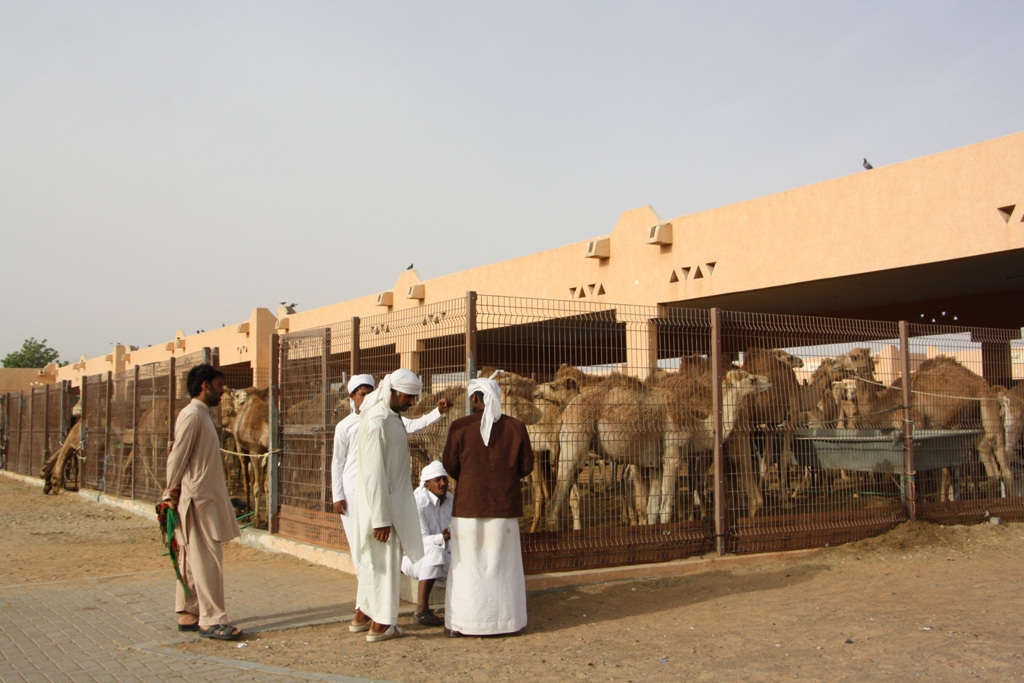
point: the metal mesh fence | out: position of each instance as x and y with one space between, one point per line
118 479
147 459
967 415
94 415
314 368
800 470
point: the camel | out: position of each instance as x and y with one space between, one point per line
946 395
651 427
1011 406
57 466
152 429
544 435
250 427
844 393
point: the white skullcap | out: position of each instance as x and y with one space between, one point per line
492 403
402 380
359 380
432 471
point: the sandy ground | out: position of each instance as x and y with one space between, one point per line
923 602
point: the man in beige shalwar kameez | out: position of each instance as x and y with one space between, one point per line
196 489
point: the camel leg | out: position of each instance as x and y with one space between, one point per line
740 454
537 488
670 464
639 494
988 460
574 507
573 451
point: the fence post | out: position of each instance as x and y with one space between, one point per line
135 430
716 406
109 385
470 341
63 410
275 435
3 431
172 397
353 360
31 425
909 486
325 437
46 425
83 455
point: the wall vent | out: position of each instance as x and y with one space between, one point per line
599 248
385 298
417 292
660 234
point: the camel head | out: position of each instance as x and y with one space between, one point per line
789 359
560 391
854 363
844 390
745 384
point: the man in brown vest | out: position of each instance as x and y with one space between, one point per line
488 454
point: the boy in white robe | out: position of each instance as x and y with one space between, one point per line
434 504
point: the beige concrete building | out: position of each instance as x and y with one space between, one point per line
942 234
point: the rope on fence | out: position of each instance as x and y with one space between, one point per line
264 456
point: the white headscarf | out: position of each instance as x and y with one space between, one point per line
432 471
356 382
492 403
402 380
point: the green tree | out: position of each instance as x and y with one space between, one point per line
33 354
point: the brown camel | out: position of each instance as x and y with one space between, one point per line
946 395
57 466
544 433
142 456
651 427
1012 410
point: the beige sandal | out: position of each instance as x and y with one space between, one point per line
359 628
392 632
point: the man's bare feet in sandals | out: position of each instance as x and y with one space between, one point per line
188 622
360 622
221 632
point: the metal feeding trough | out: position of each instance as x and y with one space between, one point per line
881 450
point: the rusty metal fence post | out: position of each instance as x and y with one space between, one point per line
273 519
135 431
353 361
325 438
83 434
106 430
172 396
46 425
471 338
721 523
909 485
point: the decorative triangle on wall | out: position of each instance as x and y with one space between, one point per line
698 275
1006 212
673 277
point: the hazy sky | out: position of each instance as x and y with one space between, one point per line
171 166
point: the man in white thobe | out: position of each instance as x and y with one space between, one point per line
386 522
344 464
434 504
488 454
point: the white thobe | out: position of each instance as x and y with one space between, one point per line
383 499
435 518
344 461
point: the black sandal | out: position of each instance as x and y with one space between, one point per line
428 618
220 632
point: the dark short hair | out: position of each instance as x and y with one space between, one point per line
198 375
368 386
479 395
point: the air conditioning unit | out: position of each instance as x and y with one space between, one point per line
283 324
416 292
385 299
660 234
599 248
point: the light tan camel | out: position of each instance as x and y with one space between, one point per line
653 428
250 428
1011 408
555 396
142 456
55 468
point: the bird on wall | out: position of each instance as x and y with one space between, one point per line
410 266
289 308
867 165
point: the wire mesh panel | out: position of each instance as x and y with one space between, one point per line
314 367
967 411
617 448
118 479
807 464
430 341
5 430
146 469
56 421
94 413
13 438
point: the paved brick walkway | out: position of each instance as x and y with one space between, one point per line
118 628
